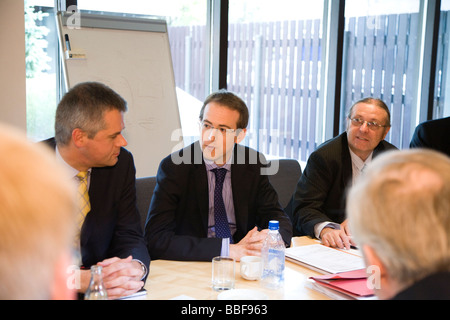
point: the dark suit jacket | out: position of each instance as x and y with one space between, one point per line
177 223
432 287
321 190
433 134
112 228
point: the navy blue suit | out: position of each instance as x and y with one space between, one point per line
433 287
112 228
433 134
321 190
177 223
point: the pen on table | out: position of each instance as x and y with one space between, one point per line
352 246
66 37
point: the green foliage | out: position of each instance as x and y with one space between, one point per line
41 106
35 44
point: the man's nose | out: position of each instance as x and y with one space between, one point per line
364 127
211 134
122 142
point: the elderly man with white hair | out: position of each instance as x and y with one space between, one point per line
399 213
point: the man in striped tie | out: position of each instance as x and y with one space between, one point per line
89 142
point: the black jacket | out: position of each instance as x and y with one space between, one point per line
113 227
321 190
177 224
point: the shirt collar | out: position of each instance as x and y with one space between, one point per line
358 162
211 165
72 171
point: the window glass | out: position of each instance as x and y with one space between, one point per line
380 44
41 68
186 21
274 65
442 88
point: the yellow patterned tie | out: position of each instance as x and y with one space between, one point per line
83 199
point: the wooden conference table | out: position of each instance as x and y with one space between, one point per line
192 280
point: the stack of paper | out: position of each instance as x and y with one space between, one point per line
325 259
352 284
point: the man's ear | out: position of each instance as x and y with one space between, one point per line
372 258
240 135
79 137
378 276
386 131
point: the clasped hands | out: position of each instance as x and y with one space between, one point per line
121 277
250 245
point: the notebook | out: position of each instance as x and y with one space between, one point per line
325 259
353 283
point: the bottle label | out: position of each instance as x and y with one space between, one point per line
273 273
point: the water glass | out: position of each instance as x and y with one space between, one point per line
222 273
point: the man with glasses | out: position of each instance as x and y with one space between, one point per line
319 201
212 197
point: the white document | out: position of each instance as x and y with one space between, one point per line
325 259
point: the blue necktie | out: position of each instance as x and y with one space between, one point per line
220 215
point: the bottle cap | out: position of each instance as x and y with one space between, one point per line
273 225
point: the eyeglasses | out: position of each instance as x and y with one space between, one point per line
372 125
223 131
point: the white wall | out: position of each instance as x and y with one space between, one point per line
12 64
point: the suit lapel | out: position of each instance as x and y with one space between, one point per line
202 193
200 178
346 161
100 203
379 149
87 228
240 177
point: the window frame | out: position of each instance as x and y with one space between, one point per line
330 102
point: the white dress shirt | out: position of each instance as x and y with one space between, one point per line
358 166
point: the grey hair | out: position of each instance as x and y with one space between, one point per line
83 107
373 101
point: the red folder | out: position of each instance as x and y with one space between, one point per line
353 283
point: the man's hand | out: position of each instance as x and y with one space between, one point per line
337 238
250 245
121 277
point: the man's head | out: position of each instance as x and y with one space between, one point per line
368 123
398 212
37 220
89 119
223 121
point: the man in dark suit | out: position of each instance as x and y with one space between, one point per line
319 201
398 213
433 134
183 221
88 138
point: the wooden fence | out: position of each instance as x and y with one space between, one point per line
275 67
380 62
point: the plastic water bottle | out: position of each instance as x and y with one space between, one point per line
96 289
272 254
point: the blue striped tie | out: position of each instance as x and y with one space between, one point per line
220 215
